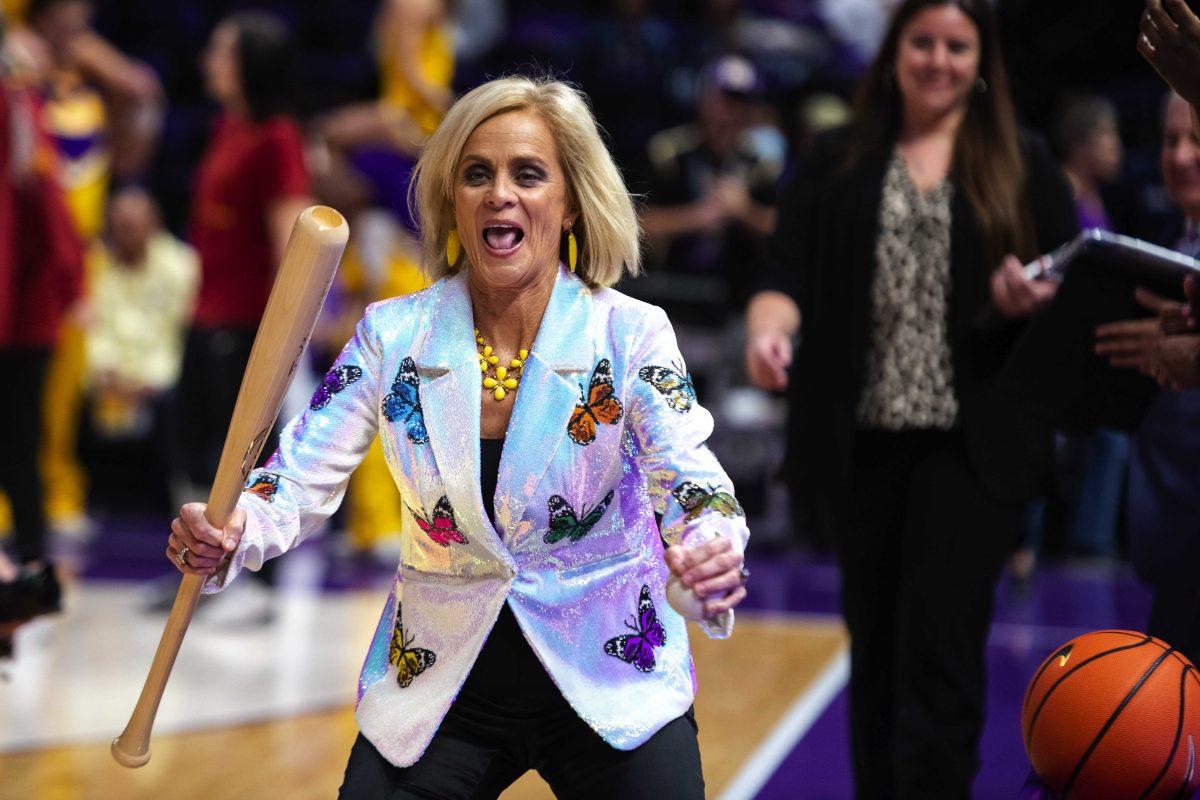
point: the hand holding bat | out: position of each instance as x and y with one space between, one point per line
196 547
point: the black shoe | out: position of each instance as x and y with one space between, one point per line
31 595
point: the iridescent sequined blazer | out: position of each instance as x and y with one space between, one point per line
605 434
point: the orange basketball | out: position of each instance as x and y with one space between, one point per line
1114 714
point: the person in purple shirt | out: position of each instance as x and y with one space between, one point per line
1089 144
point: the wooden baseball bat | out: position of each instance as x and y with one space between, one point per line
309 262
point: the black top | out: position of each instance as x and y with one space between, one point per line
489 472
506 666
823 255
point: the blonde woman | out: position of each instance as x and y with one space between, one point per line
535 422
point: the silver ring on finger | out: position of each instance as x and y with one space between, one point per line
182 557
744 573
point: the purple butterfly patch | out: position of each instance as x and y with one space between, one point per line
335 380
637 648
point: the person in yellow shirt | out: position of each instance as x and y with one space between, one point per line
142 296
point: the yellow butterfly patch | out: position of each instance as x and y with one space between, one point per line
409 661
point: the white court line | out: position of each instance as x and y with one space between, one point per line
796 721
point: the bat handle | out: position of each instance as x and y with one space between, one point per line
132 747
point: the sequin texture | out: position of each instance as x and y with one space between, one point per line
598 404
574 570
637 648
335 381
695 500
403 404
263 485
564 522
440 527
408 661
674 383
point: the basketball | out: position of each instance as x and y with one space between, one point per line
1114 714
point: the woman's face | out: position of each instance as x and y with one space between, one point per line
1181 157
937 61
511 200
221 68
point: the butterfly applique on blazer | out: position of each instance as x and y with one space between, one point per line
605 435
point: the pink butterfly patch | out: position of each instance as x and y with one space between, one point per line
442 528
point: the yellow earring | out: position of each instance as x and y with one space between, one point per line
572 249
453 247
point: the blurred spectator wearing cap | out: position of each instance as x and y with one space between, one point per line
710 206
141 305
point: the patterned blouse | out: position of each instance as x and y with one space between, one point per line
909 377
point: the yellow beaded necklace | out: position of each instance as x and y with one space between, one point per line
502 380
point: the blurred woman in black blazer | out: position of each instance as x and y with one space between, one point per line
897 260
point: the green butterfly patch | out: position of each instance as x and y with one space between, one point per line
565 523
696 499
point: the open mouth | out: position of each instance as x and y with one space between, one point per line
503 240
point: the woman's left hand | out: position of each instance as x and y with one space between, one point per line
1134 343
712 570
1014 295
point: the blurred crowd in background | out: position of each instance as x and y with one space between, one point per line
177 140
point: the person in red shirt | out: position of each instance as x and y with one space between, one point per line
41 278
248 189
250 185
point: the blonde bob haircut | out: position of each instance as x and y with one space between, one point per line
607 226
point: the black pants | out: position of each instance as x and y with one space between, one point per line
20 434
510 718
211 375
1175 616
131 471
920 558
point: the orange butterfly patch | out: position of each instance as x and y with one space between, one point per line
265 486
599 404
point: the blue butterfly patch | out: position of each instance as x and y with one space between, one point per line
404 403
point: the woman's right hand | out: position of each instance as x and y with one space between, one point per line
1015 295
1169 39
768 356
205 546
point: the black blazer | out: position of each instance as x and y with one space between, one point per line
823 255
